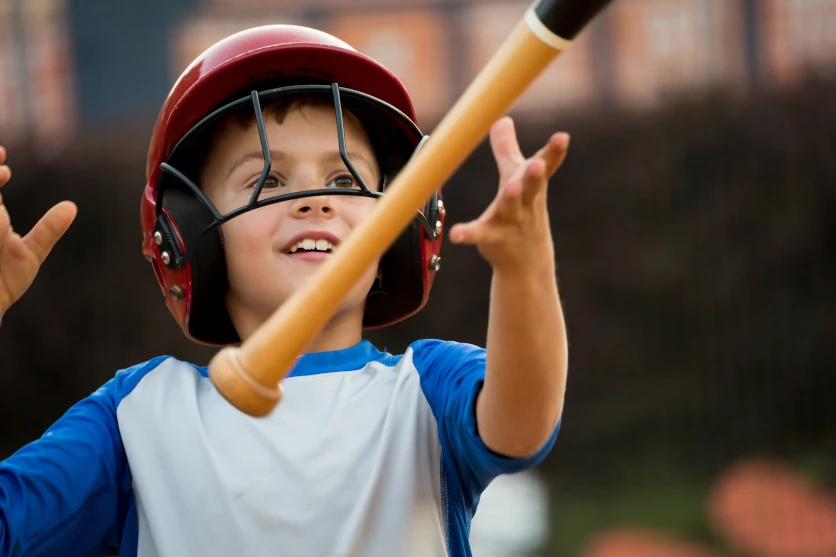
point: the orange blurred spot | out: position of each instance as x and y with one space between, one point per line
640 543
763 508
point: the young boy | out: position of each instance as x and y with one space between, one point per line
368 454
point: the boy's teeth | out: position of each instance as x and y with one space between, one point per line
309 244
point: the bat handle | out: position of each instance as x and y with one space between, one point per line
230 376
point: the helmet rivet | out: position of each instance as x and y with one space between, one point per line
165 257
158 238
176 293
438 228
435 263
441 208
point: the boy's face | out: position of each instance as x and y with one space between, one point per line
272 250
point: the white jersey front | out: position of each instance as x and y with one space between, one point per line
367 454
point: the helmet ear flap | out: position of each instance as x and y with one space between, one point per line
207 318
400 291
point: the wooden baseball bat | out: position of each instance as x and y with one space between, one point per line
249 376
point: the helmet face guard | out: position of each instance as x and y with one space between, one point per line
175 255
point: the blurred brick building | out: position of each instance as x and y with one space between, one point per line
37 88
73 66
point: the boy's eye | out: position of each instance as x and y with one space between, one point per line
342 182
270 183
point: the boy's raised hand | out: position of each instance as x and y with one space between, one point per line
21 257
513 232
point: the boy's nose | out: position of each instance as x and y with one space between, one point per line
319 205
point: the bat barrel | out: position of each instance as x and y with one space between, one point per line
249 376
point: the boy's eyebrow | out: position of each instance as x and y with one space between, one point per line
276 155
281 155
353 155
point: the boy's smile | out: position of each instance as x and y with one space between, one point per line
313 246
271 251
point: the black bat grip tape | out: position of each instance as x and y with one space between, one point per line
566 18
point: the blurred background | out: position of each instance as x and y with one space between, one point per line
694 222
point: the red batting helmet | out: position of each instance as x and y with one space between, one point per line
181 227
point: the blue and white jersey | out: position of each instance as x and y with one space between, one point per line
368 454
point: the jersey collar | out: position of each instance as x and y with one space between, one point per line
347 359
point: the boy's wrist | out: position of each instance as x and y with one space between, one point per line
534 273
538 266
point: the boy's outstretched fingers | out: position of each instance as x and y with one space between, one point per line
5 175
5 221
554 152
467 233
44 235
551 156
21 258
506 149
520 182
5 171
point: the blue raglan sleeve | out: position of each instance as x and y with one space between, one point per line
452 375
67 493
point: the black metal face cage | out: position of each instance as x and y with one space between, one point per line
163 234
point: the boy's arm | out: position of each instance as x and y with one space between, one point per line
68 492
62 494
522 398
527 358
